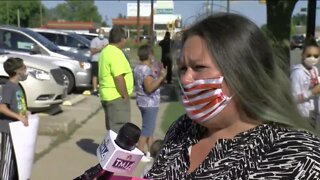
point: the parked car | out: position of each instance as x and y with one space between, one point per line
89 36
25 41
297 41
45 86
67 41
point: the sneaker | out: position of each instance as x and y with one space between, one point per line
95 93
145 159
148 154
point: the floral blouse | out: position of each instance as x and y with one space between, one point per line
268 151
144 99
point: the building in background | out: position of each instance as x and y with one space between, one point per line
164 18
85 27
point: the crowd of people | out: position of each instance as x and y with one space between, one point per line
117 81
245 117
242 120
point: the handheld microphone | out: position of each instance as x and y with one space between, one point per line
116 154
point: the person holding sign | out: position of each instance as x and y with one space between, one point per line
12 107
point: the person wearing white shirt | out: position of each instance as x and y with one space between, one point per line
96 46
305 83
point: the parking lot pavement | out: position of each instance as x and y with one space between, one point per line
51 127
76 153
67 150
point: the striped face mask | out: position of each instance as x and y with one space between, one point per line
203 99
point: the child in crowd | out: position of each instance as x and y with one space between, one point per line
13 107
305 83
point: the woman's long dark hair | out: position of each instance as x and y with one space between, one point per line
250 67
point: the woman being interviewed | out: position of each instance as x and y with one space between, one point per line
241 121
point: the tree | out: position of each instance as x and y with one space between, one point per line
299 19
75 10
29 13
279 26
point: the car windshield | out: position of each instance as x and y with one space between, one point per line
44 41
81 39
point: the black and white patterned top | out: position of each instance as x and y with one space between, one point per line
269 151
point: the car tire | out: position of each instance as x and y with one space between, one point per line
69 79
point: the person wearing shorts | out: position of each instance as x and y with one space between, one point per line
147 87
96 46
115 81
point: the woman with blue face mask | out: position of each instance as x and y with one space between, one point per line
241 121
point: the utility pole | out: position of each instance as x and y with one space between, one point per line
41 22
207 6
311 18
7 6
18 17
228 6
138 21
151 35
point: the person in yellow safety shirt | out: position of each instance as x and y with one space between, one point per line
115 80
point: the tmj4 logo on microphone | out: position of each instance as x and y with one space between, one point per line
104 149
125 164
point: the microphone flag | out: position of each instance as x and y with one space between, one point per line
115 159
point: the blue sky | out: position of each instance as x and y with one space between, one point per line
190 9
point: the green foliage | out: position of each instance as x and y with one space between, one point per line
173 111
133 45
293 29
75 10
264 28
143 30
299 19
29 12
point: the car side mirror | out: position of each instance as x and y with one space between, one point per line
82 46
35 49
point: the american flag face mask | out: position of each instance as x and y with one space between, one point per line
203 99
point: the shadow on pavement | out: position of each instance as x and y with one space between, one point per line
88 145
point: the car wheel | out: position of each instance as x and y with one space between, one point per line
69 80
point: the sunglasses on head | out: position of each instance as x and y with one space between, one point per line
313 55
